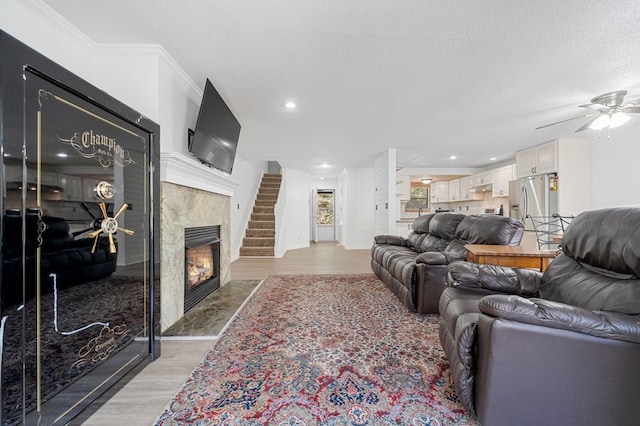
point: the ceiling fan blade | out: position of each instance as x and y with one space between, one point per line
563 121
631 109
597 107
586 125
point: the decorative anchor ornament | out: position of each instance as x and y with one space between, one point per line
108 225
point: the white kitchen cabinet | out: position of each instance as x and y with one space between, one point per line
440 192
501 178
454 190
484 178
537 160
570 159
466 194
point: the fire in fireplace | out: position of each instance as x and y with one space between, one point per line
202 263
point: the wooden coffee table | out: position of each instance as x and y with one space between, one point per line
514 256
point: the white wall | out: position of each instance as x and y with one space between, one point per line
615 167
358 208
385 193
296 210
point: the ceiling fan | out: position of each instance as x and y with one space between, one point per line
610 112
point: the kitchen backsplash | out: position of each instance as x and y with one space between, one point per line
469 207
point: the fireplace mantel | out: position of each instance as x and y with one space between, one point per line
186 171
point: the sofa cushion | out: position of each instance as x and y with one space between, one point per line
574 283
421 223
607 239
432 243
414 240
489 229
444 225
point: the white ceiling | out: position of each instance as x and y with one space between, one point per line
428 78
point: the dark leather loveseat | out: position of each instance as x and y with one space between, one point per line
559 348
70 259
415 268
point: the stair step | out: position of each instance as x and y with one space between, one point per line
263 209
267 195
267 204
262 224
258 242
261 233
256 251
270 191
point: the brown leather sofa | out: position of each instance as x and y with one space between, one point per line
559 348
415 268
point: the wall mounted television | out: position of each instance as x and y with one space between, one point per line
215 138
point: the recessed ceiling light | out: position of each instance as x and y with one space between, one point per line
321 178
453 157
290 105
493 158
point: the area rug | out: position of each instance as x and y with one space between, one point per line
322 350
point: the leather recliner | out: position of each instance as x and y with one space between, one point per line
415 268
559 348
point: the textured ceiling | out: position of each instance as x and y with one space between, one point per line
429 78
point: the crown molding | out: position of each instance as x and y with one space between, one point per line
71 32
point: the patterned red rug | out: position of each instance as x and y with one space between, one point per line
322 349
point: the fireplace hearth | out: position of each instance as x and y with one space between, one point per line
202 263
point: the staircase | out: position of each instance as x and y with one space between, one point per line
261 231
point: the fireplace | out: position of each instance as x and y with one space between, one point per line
202 263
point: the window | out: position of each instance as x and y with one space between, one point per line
325 207
419 197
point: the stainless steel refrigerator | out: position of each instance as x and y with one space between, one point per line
535 196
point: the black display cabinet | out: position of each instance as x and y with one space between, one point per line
80 289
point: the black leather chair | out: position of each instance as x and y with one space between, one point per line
559 348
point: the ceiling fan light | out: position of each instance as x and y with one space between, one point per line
618 119
600 122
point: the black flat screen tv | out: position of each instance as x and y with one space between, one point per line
215 138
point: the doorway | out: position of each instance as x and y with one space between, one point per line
325 215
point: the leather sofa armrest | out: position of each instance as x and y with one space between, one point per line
518 281
394 240
432 258
546 313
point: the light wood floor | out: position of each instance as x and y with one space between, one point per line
141 401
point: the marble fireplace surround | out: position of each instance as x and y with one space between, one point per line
191 194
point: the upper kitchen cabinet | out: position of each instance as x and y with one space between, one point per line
466 194
485 178
454 190
440 192
501 178
537 160
570 159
